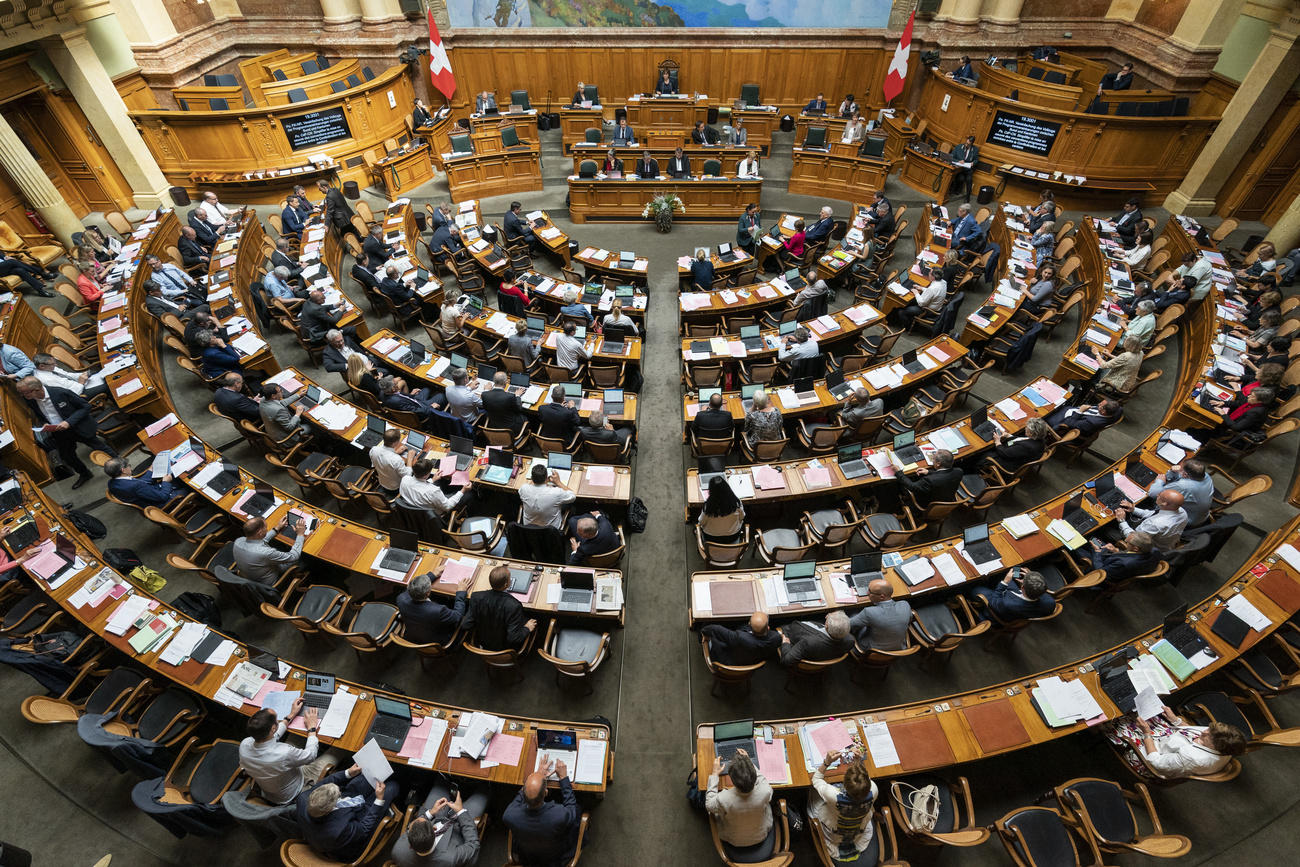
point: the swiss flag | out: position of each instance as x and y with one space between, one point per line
440 66
897 73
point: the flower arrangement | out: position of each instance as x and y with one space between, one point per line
661 208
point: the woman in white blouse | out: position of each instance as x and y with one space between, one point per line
743 811
749 166
844 811
853 130
723 518
1170 749
848 108
616 316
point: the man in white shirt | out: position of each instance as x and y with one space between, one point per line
215 214
1164 524
929 298
801 344
88 384
279 769
462 400
420 490
392 461
570 352
544 498
1197 266
1192 481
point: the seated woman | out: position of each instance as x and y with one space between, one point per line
1167 748
89 286
104 247
510 286
452 317
1267 302
617 317
848 108
1267 375
361 375
1044 242
763 421
1245 415
1143 323
1118 373
743 812
1258 340
1038 295
952 266
1140 252
1043 211
1265 262
1013 452
791 252
723 518
843 810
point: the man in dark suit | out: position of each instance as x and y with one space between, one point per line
559 418
495 617
157 304
426 620
704 134
281 258
963 176
965 70
420 115
232 401
441 216
749 225
647 166
446 241
939 484
966 231
747 645
701 271
337 350
679 165
503 407
1133 556
599 430
63 419
316 319
1087 420
200 322
821 229
291 218
590 535
806 640
1020 595
517 227
143 491
400 294
338 213
338 814
193 253
883 227
1121 80
377 252
394 398
612 163
1126 222
817 104
714 421
624 135
204 233
545 833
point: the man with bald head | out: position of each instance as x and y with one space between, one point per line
545 832
1164 524
747 645
883 623
256 560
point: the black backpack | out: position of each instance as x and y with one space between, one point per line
122 559
87 524
637 515
199 606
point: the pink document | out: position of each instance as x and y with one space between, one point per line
505 749
832 736
416 737
772 761
768 478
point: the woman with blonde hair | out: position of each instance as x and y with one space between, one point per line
452 317
361 376
616 316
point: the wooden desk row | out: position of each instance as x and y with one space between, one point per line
491 325
237 260
21 328
669 115
741 301
389 346
839 176
321 260
494 174
551 294
206 679
977 724
729 157
831 329
705 199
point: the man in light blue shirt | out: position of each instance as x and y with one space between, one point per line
1192 481
14 363
174 282
462 401
276 282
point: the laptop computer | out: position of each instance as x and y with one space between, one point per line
463 449
310 399
416 355
519 383
392 723
710 467
787 328
981 426
909 362
750 336
1139 473
416 440
223 481
455 359
559 461
906 449
403 549
836 385
536 326
729 737
373 435
1107 494
726 253
318 690
747 393
851 463
1119 687
801 581
1182 635
794 279
561 745
262 501
613 401
864 569
573 390
21 536
1075 515
706 394
613 347
805 388
978 547
578 591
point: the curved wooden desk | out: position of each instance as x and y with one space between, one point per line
23 329
851 178
729 157
494 174
316 84
831 329
1032 91
706 199
980 723
206 679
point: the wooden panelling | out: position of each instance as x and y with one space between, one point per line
705 200
852 179
303 10
317 84
788 74
1268 177
135 91
494 174
250 139
1004 82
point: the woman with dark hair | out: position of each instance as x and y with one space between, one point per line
723 517
510 286
1167 748
843 810
743 812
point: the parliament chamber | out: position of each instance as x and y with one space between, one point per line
434 433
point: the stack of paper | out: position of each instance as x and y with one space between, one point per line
1019 526
1064 531
1066 702
880 743
336 718
472 736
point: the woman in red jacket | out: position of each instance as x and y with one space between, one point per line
90 288
510 286
792 248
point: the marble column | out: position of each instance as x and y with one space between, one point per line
1285 234
145 22
1206 23
1123 10
340 11
81 70
36 188
960 11
1003 11
379 11
225 9
1269 79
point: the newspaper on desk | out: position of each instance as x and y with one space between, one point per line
243 682
473 734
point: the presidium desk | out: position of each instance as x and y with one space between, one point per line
705 199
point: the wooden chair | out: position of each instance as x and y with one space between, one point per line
1005 632
92 691
763 451
956 825
307 607
886 532
832 529
506 438
575 653
699 376
577 852
1039 837
877 661
610 559
725 676
498 661
554 444
883 851
808 671
170 716
85 331
705 446
1251 487
298 853
370 629
821 439
1103 811
781 545
757 372
781 855
1260 727
430 651
941 627
482 535
205 526
722 555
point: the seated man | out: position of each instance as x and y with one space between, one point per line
1087 419
502 407
257 560
931 485
316 318
399 293
543 498
276 283
426 620
176 284
704 134
279 769
590 535
396 397
517 227
679 165
559 418
598 429
746 645
463 400
279 421
1165 523
87 384
194 254
807 640
144 491
495 619
340 813
218 357
714 421
882 624
231 400
443 833
420 490
338 349
544 832
1192 481
377 252
1020 595
821 229
1132 556
158 304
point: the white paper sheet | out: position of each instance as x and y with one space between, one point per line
881 744
374 764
